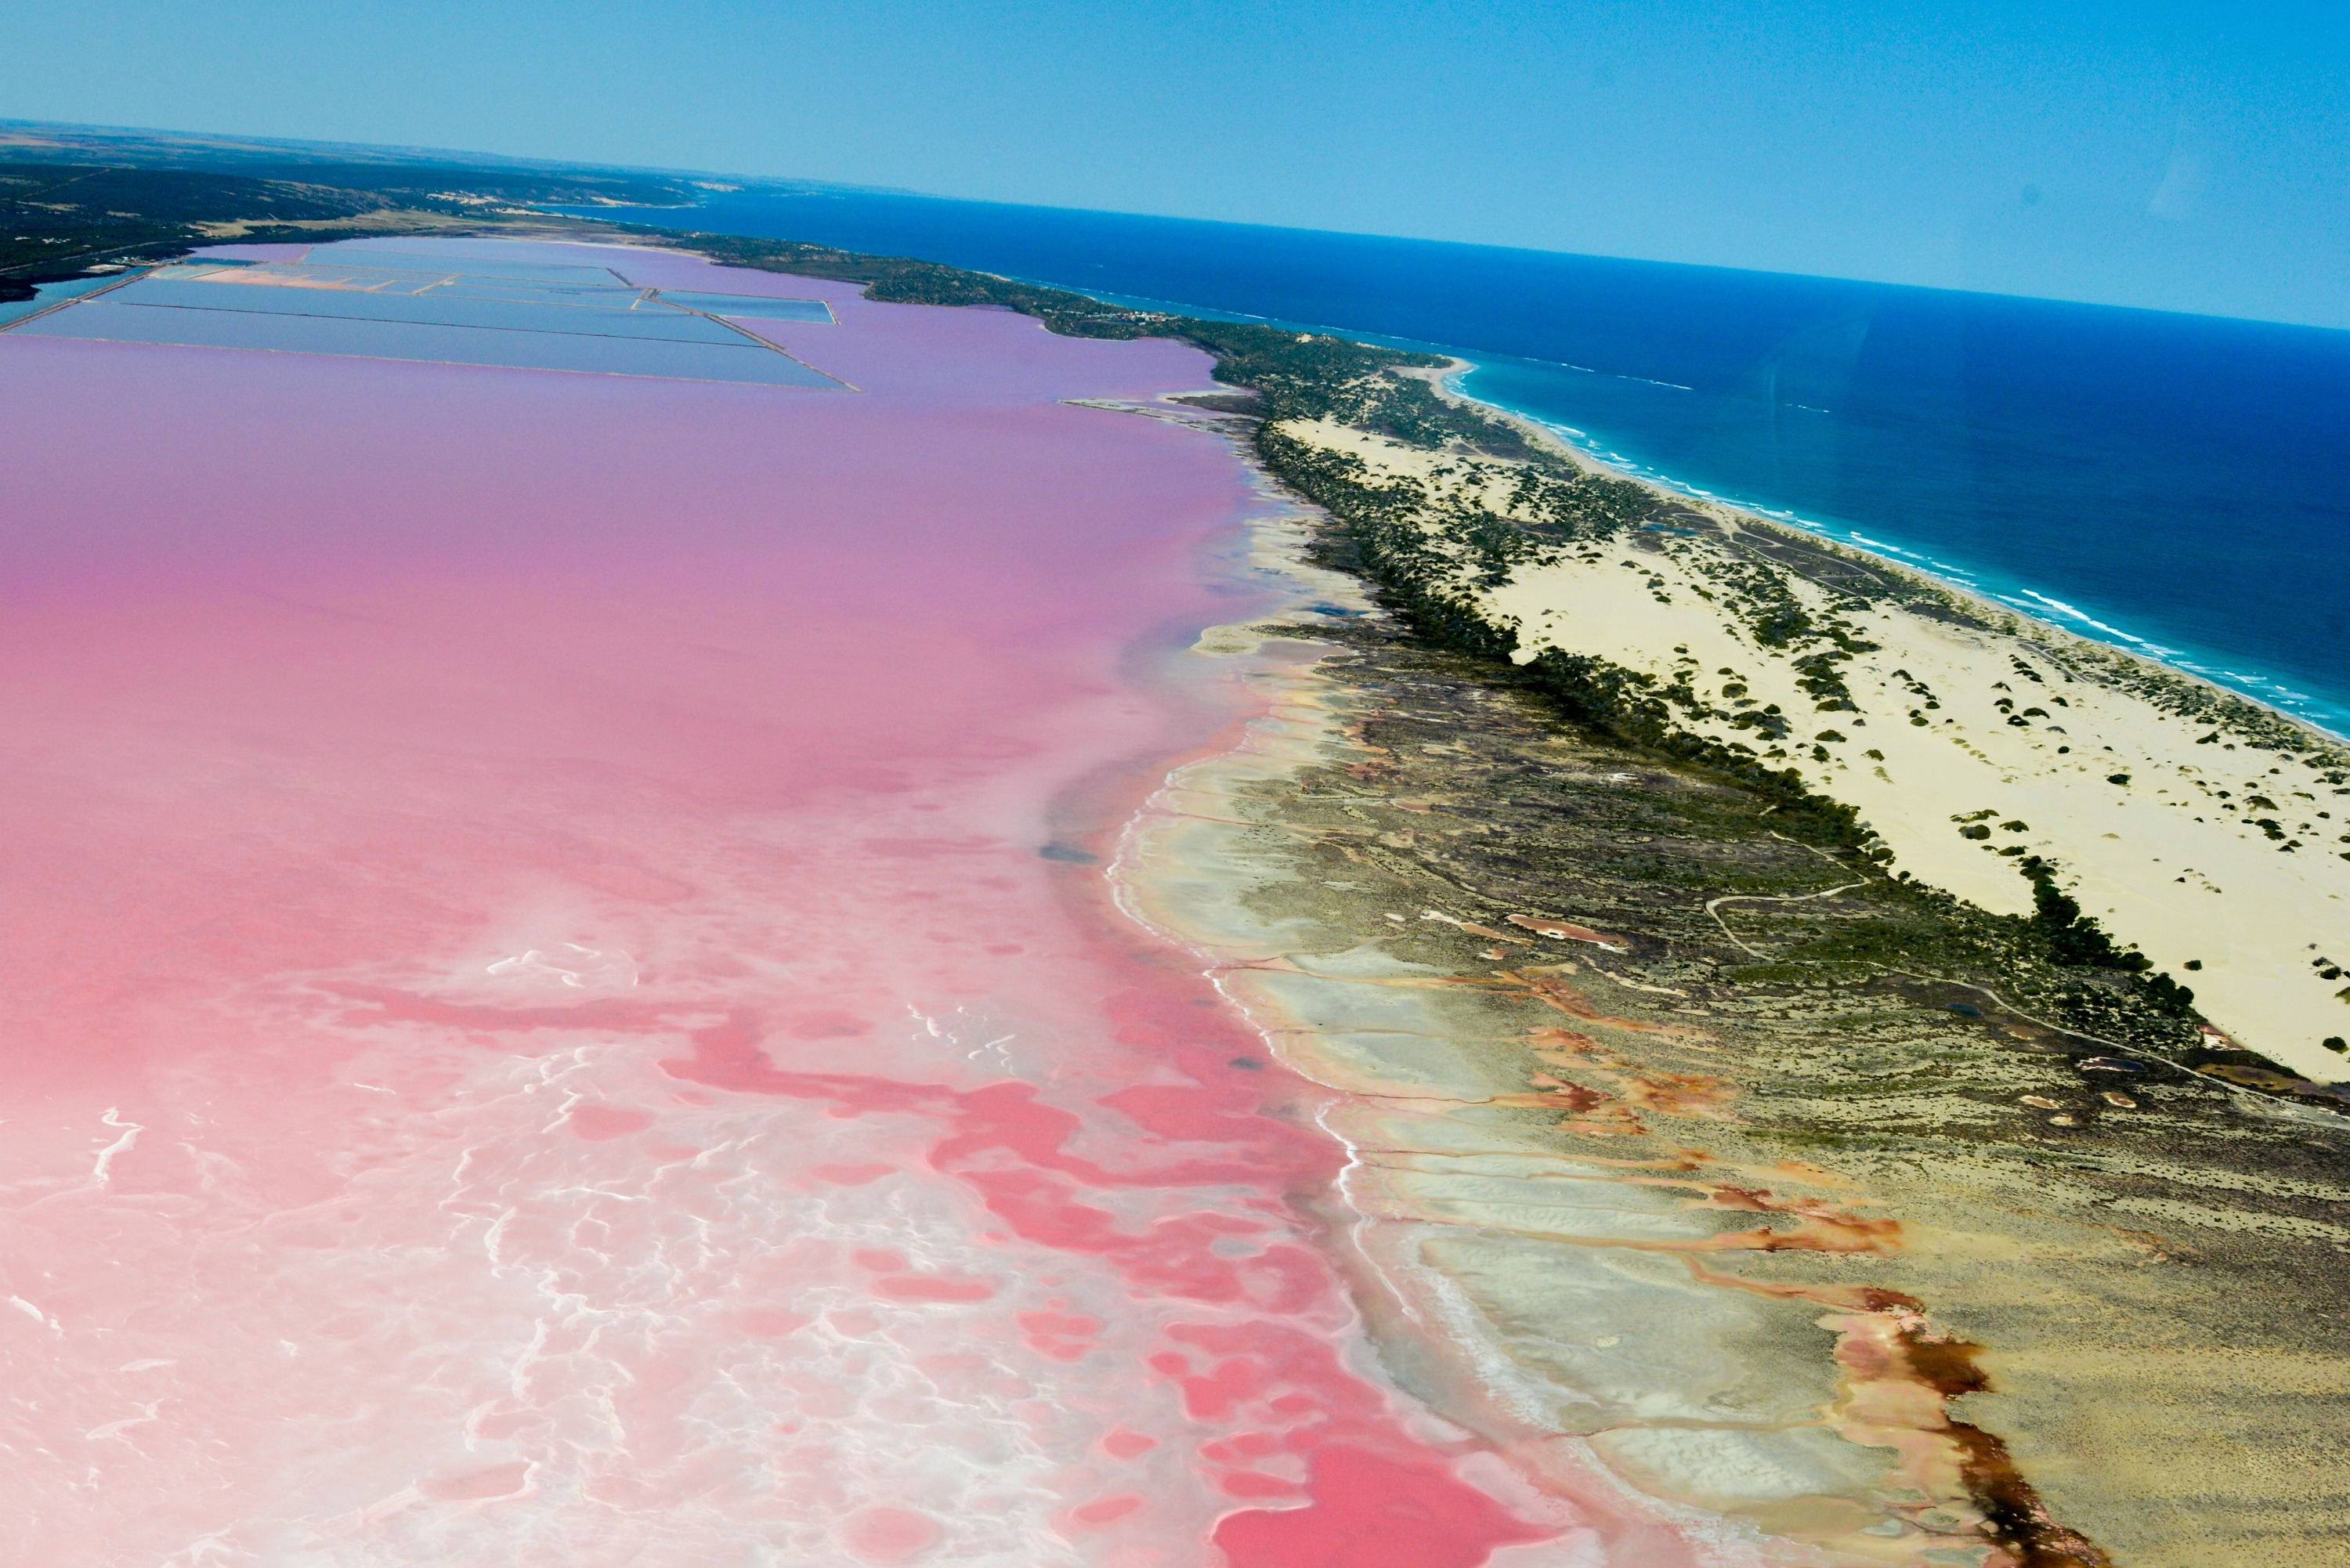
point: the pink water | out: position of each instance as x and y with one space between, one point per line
539 1032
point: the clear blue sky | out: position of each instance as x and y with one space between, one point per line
2182 156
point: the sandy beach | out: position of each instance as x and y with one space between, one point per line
695 890
708 979
1968 737
1798 1272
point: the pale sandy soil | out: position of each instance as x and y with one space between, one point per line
1561 1275
392 221
2169 860
1683 1418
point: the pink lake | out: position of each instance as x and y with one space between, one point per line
561 1008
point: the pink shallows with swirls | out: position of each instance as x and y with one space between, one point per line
542 1030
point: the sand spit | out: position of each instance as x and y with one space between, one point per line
1862 1272
1967 737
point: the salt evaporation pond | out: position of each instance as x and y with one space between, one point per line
560 1011
368 303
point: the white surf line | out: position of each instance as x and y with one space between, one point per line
1962 580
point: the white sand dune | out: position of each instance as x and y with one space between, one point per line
2220 857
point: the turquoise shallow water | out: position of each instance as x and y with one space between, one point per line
2175 485
750 305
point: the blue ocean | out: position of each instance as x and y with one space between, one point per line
2176 484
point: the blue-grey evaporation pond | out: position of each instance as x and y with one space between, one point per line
46 296
359 300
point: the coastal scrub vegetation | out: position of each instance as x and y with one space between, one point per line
55 218
1764 984
1642 979
95 201
1296 375
70 213
2057 962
